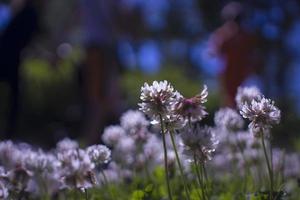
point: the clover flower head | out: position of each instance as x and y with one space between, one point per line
77 169
200 142
40 161
10 154
228 119
133 120
158 99
66 144
126 145
263 115
171 122
246 95
153 147
19 177
99 154
291 165
112 135
3 191
192 108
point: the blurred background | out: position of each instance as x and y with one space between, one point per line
69 68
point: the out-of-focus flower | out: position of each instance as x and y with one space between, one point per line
40 161
133 120
158 99
66 144
99 154
135 124
77 169
19 177
262 113
153 148
229 119
3 191
192 108
246 95
278 159
174 122
291 165
126 145
200 142
112 135
10 155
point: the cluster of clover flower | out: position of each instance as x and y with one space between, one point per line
138 148
135 148
27 171
238 148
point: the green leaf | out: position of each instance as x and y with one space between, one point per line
137 195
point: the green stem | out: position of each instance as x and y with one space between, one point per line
207 184
246 165
165 158
200 182
112 194
205 172
204 183
179 165
86 194
269 166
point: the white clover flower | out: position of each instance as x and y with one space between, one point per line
66 144
19 177
172 122
41 162
246 140
229 119
199 141
77 169
3 191
222 161
192 108
3 173
291 165
133 120
262 114
99 154
125 151
158 99
112 135
246 95
36 161
153 148
126 145
171 157
10 155
278 159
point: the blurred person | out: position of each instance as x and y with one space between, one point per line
238 48
15 37
100 80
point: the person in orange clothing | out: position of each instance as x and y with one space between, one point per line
239 49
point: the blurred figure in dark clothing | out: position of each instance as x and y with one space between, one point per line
101 84
16 36
238 48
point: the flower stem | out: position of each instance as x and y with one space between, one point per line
180 166
112 194
86 194
200 178
205 172
246 165
270 171
165 158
